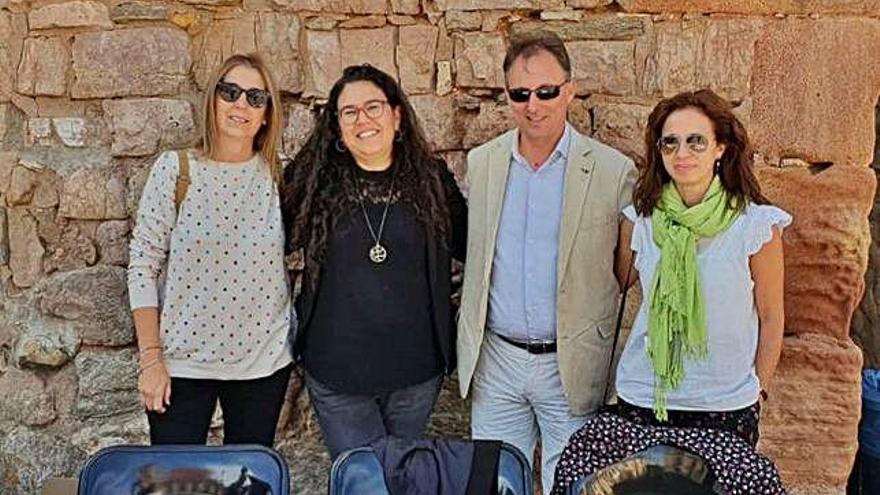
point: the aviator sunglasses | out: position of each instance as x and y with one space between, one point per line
669 144
548 92
230 92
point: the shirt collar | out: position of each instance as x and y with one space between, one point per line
560 151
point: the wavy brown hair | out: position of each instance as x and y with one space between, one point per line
266 140
315 191
736 167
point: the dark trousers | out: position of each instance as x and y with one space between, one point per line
348 421
250 410
741 422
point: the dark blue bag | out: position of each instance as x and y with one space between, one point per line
169 469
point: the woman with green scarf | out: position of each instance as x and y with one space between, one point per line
706 247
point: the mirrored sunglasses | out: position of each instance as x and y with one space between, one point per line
669 144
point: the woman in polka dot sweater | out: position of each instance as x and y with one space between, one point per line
210 299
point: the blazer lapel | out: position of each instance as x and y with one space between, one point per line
578 175
499 167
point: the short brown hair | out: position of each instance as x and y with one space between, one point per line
266 140
530 43
736 163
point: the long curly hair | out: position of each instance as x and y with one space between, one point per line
316 189
736 168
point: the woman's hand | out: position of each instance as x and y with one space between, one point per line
154 384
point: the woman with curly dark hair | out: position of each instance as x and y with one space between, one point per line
377 217
706 246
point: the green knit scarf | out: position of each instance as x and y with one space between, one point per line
677 316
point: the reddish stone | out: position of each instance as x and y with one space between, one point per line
826 246
753 7
809 425
701 53
806 73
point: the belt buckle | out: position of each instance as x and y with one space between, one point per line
538 347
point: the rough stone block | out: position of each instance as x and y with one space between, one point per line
809 425
96 299
25 399
112 240
799 89
372 46
130 62
107 383
457 20
13 30
29 456
324 59
826 246
493 119
220 40
604 67
593 27
415 58
43 67
45 343
478 60
341 6
445 5
76 14
68 245
752 7
138 11
700 53
278 42
25 250
93 194
300 120
440 120
411 7
145 126
622 125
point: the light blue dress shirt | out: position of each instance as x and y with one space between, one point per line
522 295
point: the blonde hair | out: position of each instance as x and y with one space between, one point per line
266 140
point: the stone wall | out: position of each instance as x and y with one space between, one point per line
93 90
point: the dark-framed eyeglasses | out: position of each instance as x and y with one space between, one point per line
231 92
373 109
545 93
670 143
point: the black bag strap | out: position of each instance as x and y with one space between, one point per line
617 326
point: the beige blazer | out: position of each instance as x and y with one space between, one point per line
598 185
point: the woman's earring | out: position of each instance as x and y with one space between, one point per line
718 165
340 146
398 137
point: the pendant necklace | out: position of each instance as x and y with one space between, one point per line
378 253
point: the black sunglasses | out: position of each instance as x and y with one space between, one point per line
522 95
231 92
670 143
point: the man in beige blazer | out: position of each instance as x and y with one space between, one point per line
540 297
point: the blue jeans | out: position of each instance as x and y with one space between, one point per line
348 421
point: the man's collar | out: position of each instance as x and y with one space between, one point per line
561 149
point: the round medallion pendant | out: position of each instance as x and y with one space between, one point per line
378 254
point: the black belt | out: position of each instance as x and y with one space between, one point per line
531 347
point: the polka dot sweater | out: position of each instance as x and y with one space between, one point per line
215 269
